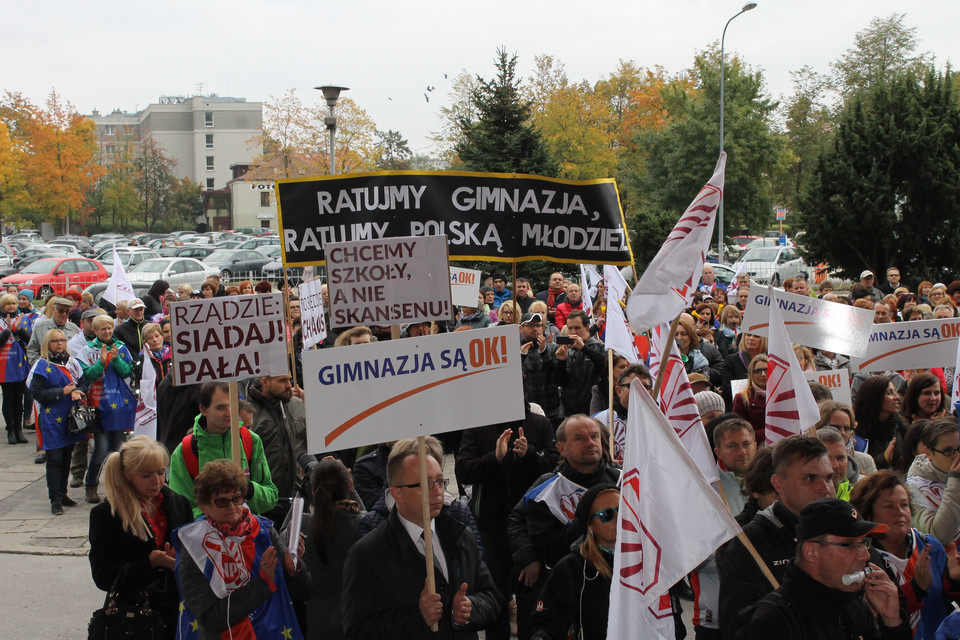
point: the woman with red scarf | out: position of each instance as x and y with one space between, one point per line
245 595
131 531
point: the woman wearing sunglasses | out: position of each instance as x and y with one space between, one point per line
246 594
577 594
934 481
132 529
918 561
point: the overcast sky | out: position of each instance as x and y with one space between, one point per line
105 54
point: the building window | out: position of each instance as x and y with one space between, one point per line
209 183
264 198
208 118
110 149
209 163
209 141
109 130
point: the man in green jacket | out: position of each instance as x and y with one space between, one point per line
211 435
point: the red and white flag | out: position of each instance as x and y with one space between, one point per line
790 405
678 405
670 521
617 333
733 286
668 284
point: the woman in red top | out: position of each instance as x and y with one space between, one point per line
751 403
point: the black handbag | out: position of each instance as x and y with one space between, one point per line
83 419
125 621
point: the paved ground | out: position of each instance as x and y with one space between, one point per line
26 524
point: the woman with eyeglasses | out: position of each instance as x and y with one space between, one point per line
879 429
751 403
925 399
53 382
576 595
924 571
132 530
840 416
233 568
934 481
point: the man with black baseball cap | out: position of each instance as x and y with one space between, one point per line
829 589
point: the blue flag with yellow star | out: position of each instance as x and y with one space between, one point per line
53 415
201 543
14 366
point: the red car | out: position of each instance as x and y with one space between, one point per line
56 275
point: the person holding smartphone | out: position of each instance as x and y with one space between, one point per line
579 364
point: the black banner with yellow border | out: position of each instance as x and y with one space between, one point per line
485 216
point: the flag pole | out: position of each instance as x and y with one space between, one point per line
610 412
664 357
745 541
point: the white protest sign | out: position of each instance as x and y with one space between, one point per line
372 393
831 326
921 344
837 380
229 338
464 286
388 281
311 313
737 386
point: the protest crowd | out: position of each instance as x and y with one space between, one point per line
524 537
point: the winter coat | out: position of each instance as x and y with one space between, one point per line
806 609
574 595
282 427
577 374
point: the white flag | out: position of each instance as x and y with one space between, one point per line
585 293
790 405
614 282
670 521
145 422
678 404
118 287
670 281
733 286
617 333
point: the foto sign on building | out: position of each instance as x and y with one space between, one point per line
228 339
382 391
389 281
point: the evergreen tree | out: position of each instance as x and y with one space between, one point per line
885 191
501 138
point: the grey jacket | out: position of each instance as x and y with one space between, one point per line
925 481
40 331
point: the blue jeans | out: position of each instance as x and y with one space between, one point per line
103 443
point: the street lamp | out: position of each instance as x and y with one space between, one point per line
747 7
331 94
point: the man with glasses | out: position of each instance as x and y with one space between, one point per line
385 592
824 591
210 440
801 474
893 281
60 320
620 409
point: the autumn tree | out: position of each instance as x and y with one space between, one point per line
672 162
115 196
355 140
58 151
12 187
461 108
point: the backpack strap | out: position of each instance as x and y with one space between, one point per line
191 454
188 448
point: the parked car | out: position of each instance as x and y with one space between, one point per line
37 250
130 257
773 264
176 271
236 262
198 251
56 275
258 243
